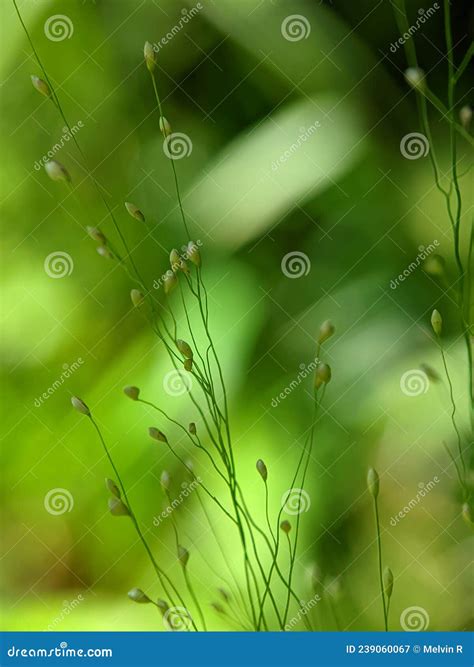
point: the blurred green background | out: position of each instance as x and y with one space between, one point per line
347 199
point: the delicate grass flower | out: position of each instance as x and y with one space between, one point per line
436 322
165 480
192 428
56 171
134 211
132 392
262 469
112 487
465 116
193 253
388 582
169 282
326 330
156 434
415 77
117 507
137 595
79 405
165 127
322 376
137 297
41 85
467 514
96 234
150 56
183 556
285 526
188 365
104 251
373 483
184 348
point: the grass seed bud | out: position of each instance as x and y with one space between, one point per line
112 487
415 77
165 127
80 406
132 392
388 582
373 482
137 595
150 56
326 330
169 282
322 376
436 322
156 434
137 297
193 253
134 211
165 480
183 555
96 234
117 507
184 348
285 526
262 469
465 116
40 85
56 171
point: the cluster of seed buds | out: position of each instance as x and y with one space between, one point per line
116 506
102 248
187 353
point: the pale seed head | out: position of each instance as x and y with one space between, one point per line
104 251
40 85
56 171
134 211
467 514
388 582
183 555
436 322
373 482
165 127
80 406
117 507
169 282
165 480
112 487
465 116
193 253
326 330
322 376
137 297
415 77
150 56
137 595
